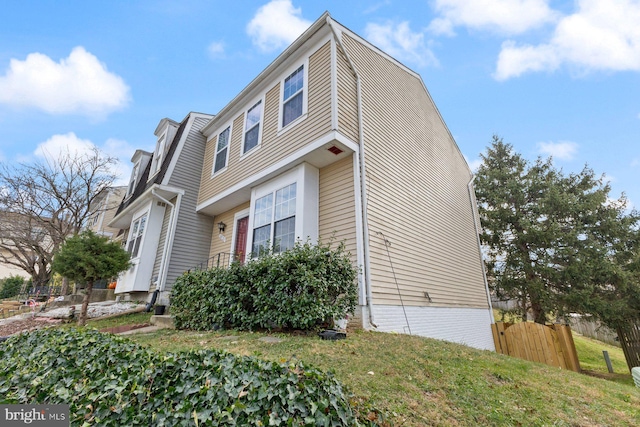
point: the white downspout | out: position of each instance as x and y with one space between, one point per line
476 220
363 181
168 240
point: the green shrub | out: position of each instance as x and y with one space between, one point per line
110 381
11 286
301 288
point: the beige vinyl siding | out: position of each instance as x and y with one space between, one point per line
417 193
217 245
337 211
274 147
191 237
347 98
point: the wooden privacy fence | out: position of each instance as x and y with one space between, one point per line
552 345
630 342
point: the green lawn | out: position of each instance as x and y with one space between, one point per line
421 381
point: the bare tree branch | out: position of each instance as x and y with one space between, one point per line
41 204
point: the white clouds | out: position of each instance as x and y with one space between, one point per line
276 25
598 36
501 16
216 50
400 42
563 150
60 145
78 84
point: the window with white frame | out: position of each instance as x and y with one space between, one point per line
293 96
135 237
252 127
134 177
158 154
222 150
274 221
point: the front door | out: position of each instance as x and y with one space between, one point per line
242 228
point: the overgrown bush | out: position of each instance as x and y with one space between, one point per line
298 289
110 381
11 286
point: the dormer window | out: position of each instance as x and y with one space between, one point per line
252 130
134 178
158 154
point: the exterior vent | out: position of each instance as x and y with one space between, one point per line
335 150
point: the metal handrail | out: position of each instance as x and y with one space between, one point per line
220 260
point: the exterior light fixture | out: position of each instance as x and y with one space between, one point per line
221 226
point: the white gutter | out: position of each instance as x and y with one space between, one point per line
168 240
363 180
476 220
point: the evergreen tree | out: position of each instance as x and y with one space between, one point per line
556 243
87 258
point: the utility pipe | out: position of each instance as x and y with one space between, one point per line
476 220
363 180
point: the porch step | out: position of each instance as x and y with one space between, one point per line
165 320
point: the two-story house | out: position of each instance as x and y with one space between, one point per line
103 209
336 139
162 230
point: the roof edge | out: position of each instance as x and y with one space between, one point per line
304 37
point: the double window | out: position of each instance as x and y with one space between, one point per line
222 150
252 127
135 237
274 221
293 101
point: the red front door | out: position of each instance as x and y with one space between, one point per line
242 228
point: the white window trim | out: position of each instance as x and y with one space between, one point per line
236 217
243 153
134 178
307 196
159 152
144 233
215 148
305 96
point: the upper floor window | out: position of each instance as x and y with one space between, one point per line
293 102
252 127
158 155
222 150
135 237
134 178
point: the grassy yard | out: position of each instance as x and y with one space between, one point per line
421 381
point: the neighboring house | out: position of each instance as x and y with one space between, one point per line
7 270
162 230
337 140
104 209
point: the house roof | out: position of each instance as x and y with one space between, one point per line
144 183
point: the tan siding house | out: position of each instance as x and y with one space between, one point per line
337 140
103 210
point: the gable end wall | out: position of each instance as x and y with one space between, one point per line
417 193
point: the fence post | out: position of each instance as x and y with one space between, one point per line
607 360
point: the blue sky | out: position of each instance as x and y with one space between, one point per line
557 78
